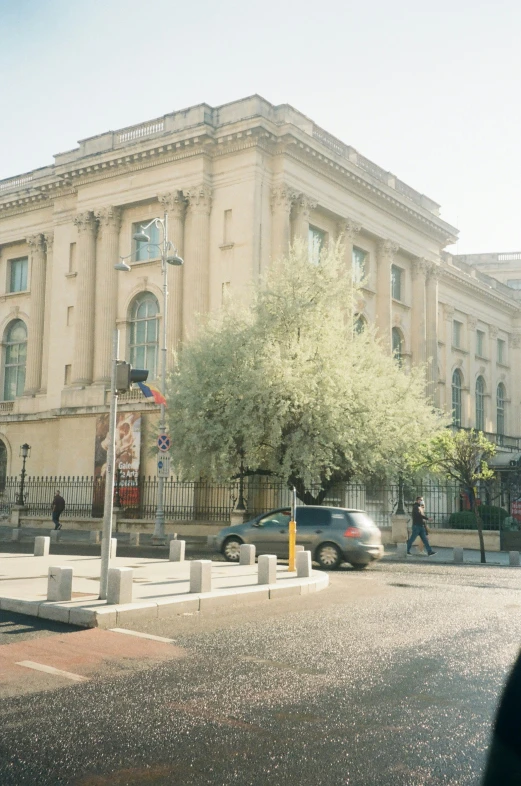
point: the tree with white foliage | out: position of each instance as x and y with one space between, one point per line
289 388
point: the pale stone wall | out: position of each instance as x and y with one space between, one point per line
237 183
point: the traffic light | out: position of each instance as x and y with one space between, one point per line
126 375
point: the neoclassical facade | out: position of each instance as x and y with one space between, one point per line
237 184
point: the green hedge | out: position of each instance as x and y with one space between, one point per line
491 515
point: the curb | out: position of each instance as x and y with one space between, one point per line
97 614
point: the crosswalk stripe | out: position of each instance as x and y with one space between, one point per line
29 664
142 635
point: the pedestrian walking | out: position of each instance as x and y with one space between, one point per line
419 527
58 506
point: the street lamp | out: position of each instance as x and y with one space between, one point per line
25 451
169 256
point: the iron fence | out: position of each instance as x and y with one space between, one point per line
206 501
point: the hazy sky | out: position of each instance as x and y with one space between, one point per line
428 90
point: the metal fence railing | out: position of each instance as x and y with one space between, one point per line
206 501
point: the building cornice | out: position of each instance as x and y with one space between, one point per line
453 277
203 130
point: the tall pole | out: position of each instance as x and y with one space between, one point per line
109 475
159 528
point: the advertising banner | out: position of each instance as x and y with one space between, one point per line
128 452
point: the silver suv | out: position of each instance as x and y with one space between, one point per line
333 535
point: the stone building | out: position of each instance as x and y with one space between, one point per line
237 183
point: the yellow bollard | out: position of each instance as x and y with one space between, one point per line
292 543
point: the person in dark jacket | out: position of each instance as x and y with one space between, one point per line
419 527
58 506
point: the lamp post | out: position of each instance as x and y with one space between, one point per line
25 451
169 256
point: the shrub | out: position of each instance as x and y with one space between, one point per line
491 515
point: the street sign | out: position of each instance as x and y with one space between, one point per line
163 465
163 442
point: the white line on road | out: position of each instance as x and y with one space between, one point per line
142 635
29 664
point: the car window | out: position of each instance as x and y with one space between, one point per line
280 518
313 517
361 519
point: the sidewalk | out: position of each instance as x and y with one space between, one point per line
160 588
445 556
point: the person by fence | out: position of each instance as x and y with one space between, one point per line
419 527
58 506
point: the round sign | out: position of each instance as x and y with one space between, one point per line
163 442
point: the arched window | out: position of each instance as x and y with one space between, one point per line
144 332
456 397
359 324
3 465
500 408
480 404
397 340
15 345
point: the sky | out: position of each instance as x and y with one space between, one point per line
430 91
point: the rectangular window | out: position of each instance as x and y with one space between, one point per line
18 274
227 227
72 258
70 316
480 343
316 242
359 264
396 282
67 378
225 291
501 351
144 250
456 333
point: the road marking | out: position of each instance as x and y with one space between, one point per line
142 635
29 664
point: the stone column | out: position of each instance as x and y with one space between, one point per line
431 331
86 283
302 207
106 305
281 200
513 416
385 256
347 232
472 323
174 205
448 312
49 246
491 421
33 375
196 277
418 326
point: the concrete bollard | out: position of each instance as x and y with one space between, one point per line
267 569
95 536
303 564
401 550
513 558
55 535
119 586
135 538
16 534
299 548
41 546
458 554
201 575
59 583
247 554
177 551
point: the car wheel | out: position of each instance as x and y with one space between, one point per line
359 565
232 549
328 556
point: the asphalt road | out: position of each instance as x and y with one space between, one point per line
390 677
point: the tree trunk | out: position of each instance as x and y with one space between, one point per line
306 496
479 523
